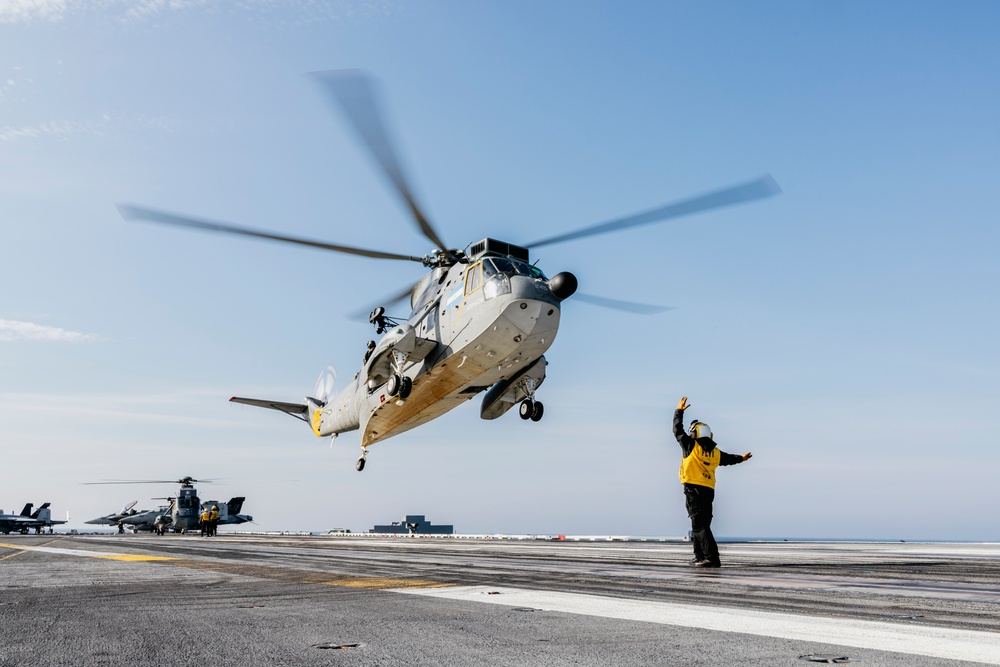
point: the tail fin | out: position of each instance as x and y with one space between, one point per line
236 504
27 510
297 410
43 508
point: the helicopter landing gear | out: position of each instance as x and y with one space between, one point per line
360 465
530 408
399 385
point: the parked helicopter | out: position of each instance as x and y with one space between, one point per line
183 513
480 320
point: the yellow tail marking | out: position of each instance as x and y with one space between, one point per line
317 415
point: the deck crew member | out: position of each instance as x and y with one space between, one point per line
205 521
213 520
697 473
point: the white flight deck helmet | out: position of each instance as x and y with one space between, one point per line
700 430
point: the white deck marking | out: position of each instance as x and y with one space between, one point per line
85 553
982 647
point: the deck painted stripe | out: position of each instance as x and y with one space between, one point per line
85 553
242 569
981 647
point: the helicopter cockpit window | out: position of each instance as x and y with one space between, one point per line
474 278
513 267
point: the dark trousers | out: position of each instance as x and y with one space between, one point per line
698 500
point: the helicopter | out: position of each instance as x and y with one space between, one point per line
181 514
481 319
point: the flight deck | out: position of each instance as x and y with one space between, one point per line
361 600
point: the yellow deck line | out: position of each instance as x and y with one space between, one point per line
227 567
133 557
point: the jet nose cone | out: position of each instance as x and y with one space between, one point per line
563 285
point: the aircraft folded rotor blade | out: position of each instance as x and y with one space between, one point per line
351 90
758 189
617 304
130 212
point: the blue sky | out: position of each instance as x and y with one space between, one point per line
845 332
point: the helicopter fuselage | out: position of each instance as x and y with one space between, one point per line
474 325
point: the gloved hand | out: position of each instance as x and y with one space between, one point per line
683 405
746 457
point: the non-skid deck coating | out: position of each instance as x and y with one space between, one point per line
282 600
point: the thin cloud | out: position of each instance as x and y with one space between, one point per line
14 330
57 129
27 11
128 11
64 129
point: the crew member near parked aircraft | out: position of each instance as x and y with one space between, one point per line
213 520
697 473
206 517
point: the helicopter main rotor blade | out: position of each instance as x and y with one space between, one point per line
758 189
130 212
351 90
617 304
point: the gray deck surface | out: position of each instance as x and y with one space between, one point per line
290 600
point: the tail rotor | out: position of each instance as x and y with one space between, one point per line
324 385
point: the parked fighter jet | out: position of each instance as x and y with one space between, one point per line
15 522
27 521
42 519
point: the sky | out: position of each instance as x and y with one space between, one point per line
845 331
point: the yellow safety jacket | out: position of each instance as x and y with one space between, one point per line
699 466
204 517
214 515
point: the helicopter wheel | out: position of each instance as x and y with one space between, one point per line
526 409
360 465
405 387
537 411
392 386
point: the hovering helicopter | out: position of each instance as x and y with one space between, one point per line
183 513
480 320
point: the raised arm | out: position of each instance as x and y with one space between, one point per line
683 439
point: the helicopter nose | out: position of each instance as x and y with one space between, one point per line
563 285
